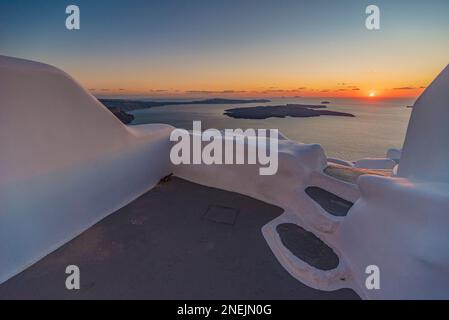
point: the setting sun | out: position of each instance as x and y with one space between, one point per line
372 94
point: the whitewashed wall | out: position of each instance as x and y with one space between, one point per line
65 161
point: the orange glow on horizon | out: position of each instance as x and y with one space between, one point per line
248 87
257 93
269 85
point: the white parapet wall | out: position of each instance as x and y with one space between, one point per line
65 161
401 227
400 224
426 149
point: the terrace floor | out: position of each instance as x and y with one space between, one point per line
178 241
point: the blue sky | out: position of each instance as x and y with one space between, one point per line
185 45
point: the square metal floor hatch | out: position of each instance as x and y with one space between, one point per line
220 214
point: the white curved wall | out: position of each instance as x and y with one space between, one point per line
400 224
65 161
401 227
425 155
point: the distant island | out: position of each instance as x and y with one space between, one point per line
282 111
325 102
124 117
129 105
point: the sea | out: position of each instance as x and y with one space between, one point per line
379 124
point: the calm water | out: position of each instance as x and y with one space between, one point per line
378 125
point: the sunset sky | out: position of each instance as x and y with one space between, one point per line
235 48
